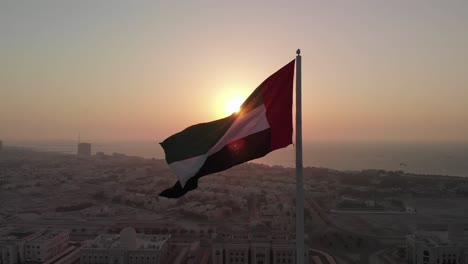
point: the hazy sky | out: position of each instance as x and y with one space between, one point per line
143 70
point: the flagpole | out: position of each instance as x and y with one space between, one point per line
299 180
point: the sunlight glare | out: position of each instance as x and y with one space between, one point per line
233 105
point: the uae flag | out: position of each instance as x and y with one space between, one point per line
263 124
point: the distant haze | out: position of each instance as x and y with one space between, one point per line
424 158
143 70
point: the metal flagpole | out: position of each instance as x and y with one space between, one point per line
299 181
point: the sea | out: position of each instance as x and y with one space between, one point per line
421 158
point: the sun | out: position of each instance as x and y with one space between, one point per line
229 100
233 105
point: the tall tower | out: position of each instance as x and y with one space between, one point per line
84 149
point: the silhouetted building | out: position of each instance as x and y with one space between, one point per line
1 145
100 155
84 149
438 246
128 247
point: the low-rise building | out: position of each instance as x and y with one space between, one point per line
128 247
20 245
438 246
46 245
259 245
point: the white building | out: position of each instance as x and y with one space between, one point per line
438 247
128 247
19 245
258 246
46 245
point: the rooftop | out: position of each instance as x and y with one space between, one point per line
109 241
439 238
12 233
71 252
48 234
18 235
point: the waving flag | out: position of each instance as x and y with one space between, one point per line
263 124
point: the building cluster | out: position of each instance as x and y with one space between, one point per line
128 247
53 246
107 190
258 244
438 246
229 244
97 197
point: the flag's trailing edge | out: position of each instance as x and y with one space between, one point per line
263 124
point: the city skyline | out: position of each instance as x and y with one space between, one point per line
72 209
372 71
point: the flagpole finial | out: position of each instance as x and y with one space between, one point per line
298 52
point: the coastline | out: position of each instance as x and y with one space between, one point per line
268 161
436 158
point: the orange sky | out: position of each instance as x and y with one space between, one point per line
120 70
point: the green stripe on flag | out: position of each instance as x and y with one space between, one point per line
196 140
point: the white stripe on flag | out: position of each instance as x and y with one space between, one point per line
248 124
